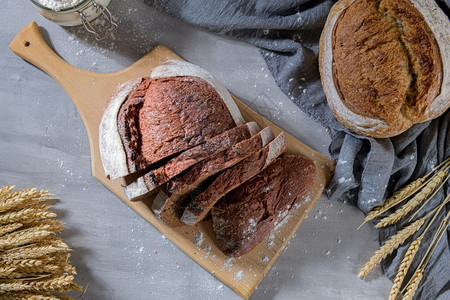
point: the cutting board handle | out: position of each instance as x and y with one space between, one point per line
30 45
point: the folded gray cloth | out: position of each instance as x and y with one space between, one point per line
368 170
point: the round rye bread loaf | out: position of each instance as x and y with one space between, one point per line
385 64
147 120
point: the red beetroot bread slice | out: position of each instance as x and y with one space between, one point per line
148 119
230 179
244 217
155 178
169 204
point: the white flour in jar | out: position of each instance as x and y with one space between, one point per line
59 4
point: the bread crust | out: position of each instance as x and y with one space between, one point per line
393 114
112 149
114 158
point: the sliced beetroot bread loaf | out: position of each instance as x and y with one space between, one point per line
148 119
245 216
188 158
230 179
170 203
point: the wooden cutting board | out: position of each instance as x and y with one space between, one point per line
90 91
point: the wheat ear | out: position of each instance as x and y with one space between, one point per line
412 250
60 284
434 242
21 200
52 241
4 229
26 215
425 203
416 200
403 194
30 235
404 267
396 198
50 225
22 263
6 190
6 270
391 245
28 296
412 287
19 238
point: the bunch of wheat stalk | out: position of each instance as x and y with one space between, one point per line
34 262
409 201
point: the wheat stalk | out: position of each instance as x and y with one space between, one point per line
23 269
404 267
33 262
6 190
425 203
6 270
395 199
437 237
29 235
50 225
26 276
22 263
23 237
403 193
23 200
4 229
52 241
28 296
60 284
412 287
47 244
27 215
412 250
416 200
409 287
391 245
34 273
42 269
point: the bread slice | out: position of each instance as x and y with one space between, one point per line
245 216
188 158
148 119
230 179
170 203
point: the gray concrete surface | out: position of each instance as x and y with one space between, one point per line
43 144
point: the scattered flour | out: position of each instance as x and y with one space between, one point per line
343 180
199 239
228 263
59 4
264 259
270 240
239 275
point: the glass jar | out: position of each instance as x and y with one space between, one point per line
83 13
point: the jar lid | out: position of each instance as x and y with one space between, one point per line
58 5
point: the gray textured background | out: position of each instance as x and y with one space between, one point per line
43 144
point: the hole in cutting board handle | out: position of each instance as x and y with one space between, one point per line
26 43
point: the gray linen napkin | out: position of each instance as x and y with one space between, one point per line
368 170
